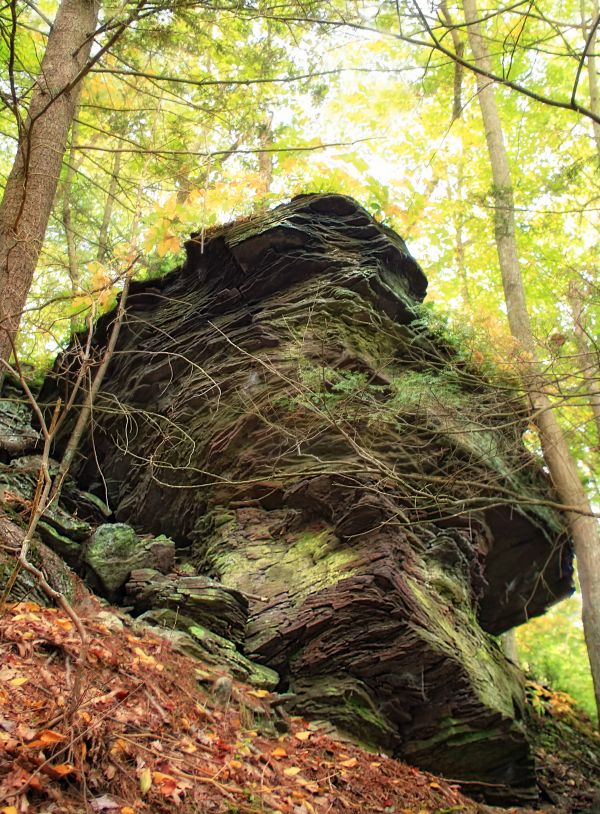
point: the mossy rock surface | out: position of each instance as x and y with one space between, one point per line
23 585
115 550
206 645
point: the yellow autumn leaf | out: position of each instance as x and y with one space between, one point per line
95 267
188 747
279 751
145 780
26 606
304 735
149 240
18 682
118 746
169 206
161 777
169 243
291 771
144 656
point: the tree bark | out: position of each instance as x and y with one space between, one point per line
589 364
265 159
457 110
460 238
66 212
459 49
103 246
560 462
33 180
592 68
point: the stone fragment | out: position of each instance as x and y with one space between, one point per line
204 644
222 689
115 550
25 586
16 433
68 549
18 483
205 601
110 621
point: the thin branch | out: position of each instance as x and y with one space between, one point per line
228 152
589 40
86 410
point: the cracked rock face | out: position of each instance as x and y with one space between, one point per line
280 408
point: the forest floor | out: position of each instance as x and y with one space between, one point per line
152 731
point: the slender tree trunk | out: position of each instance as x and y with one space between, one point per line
457 111
592 66
66 212
588 359
563 470
103 247
460 238
265 159
459 50
32 183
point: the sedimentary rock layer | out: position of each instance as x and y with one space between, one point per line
282 409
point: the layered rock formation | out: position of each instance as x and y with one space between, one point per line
280 409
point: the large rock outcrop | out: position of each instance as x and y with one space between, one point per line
279 407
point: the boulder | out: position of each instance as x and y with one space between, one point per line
59 528
16 433
289 416
114 550
19 584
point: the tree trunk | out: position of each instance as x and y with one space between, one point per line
559 460
32 183
460 238
66 211
457 110
459 50
103 247
592 68
265 158
588 360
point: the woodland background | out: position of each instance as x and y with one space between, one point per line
198 113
